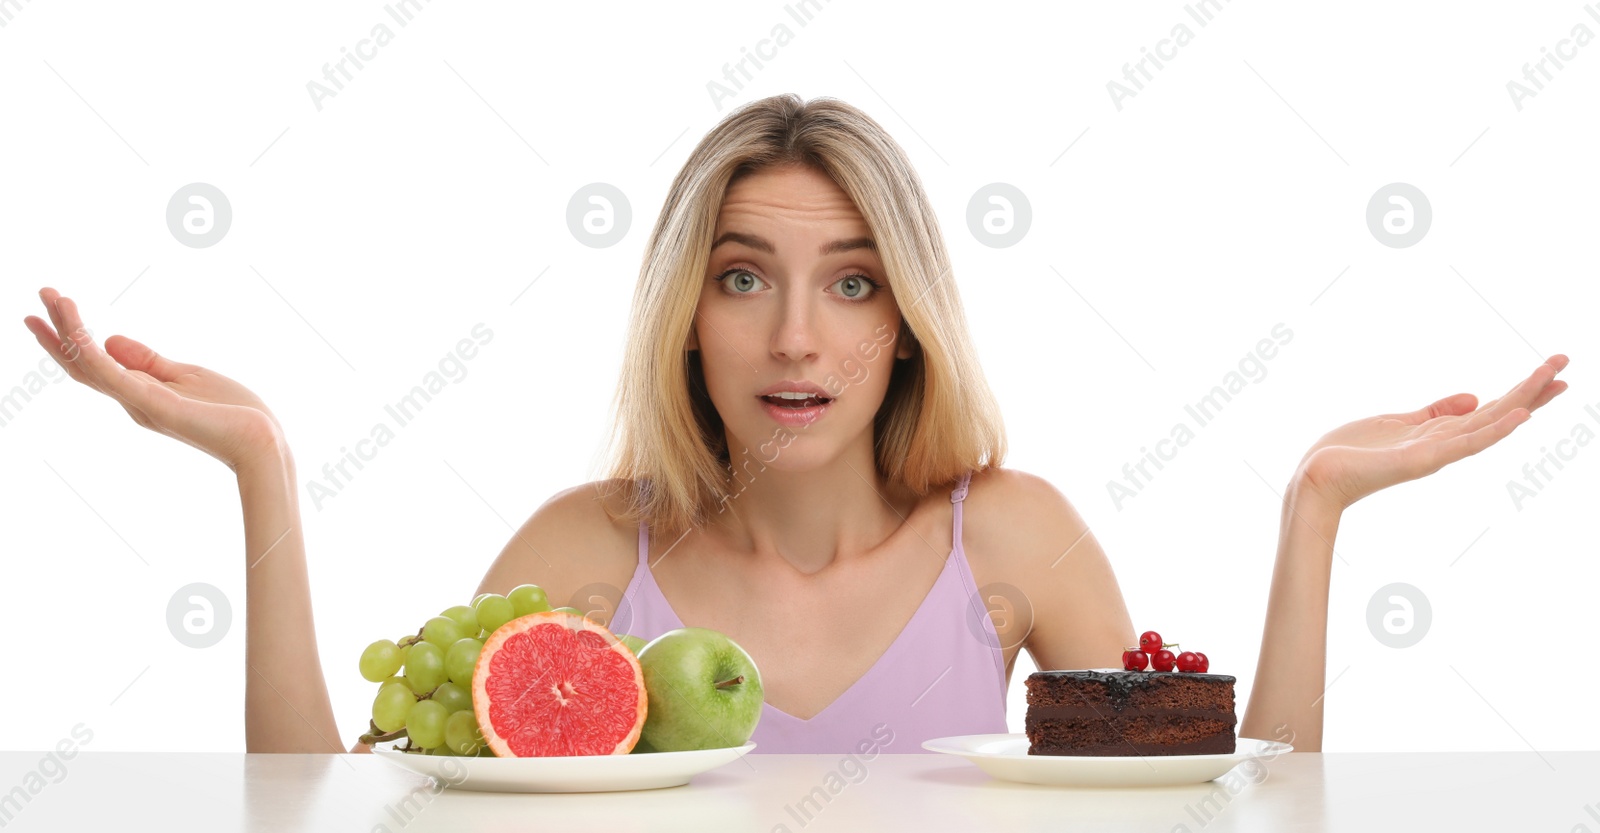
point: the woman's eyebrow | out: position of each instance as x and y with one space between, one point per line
762 245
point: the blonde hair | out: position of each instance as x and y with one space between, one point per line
938 419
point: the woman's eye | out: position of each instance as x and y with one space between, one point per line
857 287
739 280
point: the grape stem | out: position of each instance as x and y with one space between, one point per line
375 736
410 640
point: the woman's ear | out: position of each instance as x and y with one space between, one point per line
908 345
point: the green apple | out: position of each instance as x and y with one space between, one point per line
704 691
634 643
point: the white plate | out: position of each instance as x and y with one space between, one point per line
1006 757
575 773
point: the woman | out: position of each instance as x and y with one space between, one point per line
797 254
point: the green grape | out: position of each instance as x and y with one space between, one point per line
526 599
460 661
381 659
425 667
465 616
461 734
442 631
391 706
425 723
572 610
404 650
479 598
494 611
398 679
454 697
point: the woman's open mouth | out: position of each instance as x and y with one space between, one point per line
785 402
796 411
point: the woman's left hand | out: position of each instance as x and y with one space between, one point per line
1355 460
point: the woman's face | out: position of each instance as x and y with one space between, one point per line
795 293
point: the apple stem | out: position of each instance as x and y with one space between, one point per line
735 681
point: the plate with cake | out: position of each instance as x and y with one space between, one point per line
1117 728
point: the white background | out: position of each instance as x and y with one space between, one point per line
372 235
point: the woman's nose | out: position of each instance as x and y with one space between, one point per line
795 338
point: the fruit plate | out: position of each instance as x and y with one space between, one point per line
565 774
1006 757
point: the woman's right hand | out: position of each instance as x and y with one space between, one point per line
187 402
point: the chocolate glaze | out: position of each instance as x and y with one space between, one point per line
1130 678
1089 712
1120 684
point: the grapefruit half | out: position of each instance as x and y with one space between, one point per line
554 683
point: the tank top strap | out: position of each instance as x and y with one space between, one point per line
644 530
960 492
970 600
956 497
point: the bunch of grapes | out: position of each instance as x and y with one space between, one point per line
425 679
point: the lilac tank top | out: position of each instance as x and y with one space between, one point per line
943 675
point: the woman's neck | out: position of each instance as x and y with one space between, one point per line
810 518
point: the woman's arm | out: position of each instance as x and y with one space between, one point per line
1030 542
286 702
1345 465
286 698
1286 699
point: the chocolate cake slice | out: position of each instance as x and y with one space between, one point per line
1106 713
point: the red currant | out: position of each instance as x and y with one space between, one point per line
1188 662
1205 664
1150 642
1162 660
1134 660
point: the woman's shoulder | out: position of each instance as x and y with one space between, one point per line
1012 518
1004 483
597 509
575 538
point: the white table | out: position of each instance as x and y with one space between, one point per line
110 791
